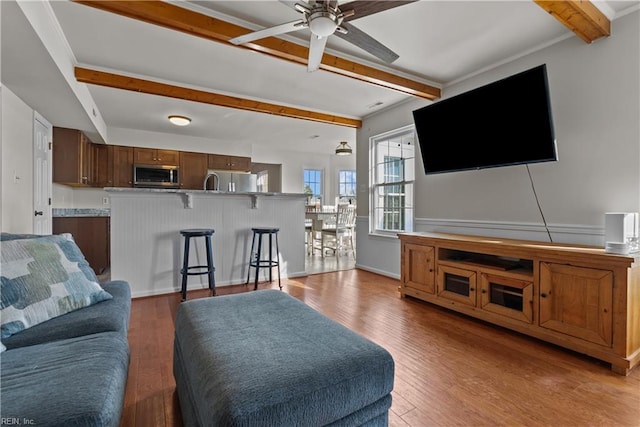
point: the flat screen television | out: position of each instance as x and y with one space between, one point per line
506 122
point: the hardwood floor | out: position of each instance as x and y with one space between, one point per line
451 370
314 264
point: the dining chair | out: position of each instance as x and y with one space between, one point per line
334 235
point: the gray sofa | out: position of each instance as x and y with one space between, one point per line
70 370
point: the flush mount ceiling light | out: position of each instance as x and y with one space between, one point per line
179 120
343 149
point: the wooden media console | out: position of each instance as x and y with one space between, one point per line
578 297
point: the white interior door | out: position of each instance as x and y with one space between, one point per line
42 171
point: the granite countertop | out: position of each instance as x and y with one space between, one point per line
199 192
79 212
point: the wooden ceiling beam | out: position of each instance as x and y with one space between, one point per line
101 78
176 18
580 16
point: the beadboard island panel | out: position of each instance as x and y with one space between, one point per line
146 245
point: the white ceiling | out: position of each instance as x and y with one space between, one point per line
439 42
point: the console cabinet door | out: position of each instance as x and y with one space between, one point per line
457 284
577 301
419 267
507 296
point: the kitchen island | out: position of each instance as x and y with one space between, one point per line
146 246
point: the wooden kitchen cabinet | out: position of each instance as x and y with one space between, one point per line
574 296
229 163
102 170
92 235
154 156
72 157
193 170
122 166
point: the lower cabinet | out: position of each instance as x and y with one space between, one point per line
457 284
418 264
497 292
577 301
580 298
92 235
507 296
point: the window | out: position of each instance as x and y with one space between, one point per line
262 181
392 166
313 185
347 185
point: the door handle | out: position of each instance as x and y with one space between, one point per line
36 213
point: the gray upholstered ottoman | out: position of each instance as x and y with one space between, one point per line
266 359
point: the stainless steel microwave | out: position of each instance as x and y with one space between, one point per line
156 176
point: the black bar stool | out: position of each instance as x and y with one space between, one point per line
209 268
256 260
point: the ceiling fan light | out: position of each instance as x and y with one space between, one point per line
322 26
179 120
344 149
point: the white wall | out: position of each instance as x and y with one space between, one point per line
17 164
140 138
294 163
72 197
595 96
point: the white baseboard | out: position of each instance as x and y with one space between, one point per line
204 286
378 271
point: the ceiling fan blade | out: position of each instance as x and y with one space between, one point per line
292 4
367 43
316 49
268 32
363 8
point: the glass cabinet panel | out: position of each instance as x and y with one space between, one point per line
507 296
457 284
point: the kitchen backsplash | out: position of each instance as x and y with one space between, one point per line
86 198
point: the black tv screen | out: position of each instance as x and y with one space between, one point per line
504 123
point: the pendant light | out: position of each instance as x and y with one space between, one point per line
343 149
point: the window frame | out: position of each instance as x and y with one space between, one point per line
408 211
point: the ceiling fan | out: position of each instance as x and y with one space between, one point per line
326 17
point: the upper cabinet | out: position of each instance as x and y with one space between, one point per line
102 165
122 166
193 169
72 157
79 162
229 163
153 156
